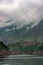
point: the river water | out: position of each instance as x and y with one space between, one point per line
22 60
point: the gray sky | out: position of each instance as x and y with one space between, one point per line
20 11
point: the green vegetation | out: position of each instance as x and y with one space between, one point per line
22 47
28 48
19 46
15 46
3 46
39 47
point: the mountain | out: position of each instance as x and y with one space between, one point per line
36 31
12 33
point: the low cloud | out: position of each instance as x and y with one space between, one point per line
6 1
21 12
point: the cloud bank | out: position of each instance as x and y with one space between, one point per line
22 12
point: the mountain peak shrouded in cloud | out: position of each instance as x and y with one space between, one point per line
21 11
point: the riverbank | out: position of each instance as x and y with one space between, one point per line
6 53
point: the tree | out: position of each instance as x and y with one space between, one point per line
3 46
39 47
28 49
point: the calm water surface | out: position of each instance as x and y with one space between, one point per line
22 60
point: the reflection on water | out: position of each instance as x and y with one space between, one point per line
21 60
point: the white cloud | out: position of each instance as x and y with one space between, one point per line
7 30
27 28
23 11
3 24
13 28
6 1
37 2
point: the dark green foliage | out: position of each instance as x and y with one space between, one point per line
39 47
18 46
3 46
28 48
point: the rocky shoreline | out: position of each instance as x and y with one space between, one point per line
6 53
22 48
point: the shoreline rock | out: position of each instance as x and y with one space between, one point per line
4 53
7 53
39 52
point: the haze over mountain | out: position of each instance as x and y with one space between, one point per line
20 11
21 19
27 32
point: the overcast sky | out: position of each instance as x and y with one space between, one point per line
20 11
